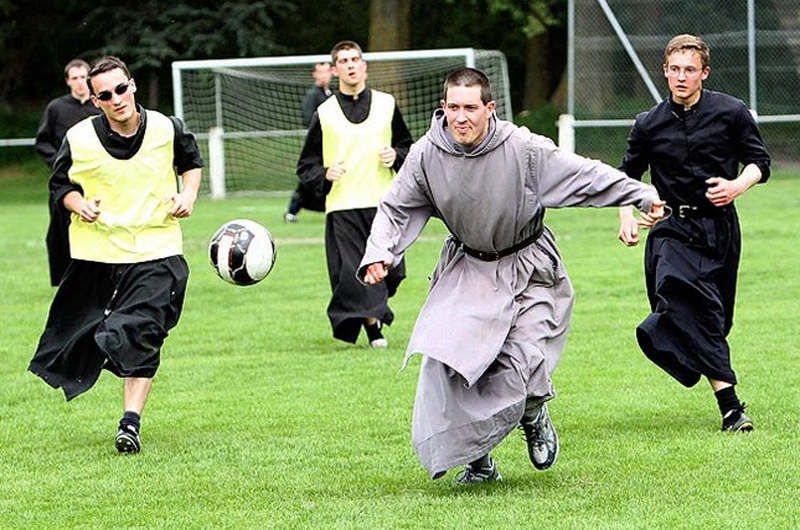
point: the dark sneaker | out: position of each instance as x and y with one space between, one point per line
127 441
737 421
476 475
374 335
541 437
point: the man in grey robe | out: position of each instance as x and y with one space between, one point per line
497 314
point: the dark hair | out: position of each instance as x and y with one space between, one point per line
105 64
75 63
469 77
345 45
688 42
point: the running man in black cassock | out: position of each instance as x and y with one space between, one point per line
61 114
693 142
356 142
124 289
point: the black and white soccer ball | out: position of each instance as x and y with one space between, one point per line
242 252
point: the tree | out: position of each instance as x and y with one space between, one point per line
153 36
538 20
530 32
37 38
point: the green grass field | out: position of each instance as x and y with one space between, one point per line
259 419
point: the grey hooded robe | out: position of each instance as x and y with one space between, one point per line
490 332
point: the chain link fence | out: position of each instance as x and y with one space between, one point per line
616 50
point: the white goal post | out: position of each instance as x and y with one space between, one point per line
246 113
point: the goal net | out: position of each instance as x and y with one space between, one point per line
246 113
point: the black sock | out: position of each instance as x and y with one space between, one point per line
373 330
131 418
727 400
482 462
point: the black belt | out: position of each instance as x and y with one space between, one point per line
484 255
688 211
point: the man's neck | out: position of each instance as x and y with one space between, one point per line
80 98
689 103
128 128
352 91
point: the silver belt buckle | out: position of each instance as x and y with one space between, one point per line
684 209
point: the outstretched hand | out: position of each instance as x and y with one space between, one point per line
376 272
656 213
629 225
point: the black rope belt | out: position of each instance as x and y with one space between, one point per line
484 255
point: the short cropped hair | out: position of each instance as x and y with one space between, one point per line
688 42
345 45
105 64
469 77
75 63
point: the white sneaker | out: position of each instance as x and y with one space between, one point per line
379 343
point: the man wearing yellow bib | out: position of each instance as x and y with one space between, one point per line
356 142
124 289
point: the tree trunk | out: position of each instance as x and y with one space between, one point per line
389 25
537 72
559 97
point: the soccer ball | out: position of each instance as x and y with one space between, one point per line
242 252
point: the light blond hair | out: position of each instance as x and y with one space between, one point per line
688 42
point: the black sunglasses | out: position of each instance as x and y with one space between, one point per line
120 89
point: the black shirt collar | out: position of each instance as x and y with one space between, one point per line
679 109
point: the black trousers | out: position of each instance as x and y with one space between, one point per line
691 268
346 234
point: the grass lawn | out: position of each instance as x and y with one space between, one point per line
259 419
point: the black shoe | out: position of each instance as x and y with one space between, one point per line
541 437
127 440
476 475
737 421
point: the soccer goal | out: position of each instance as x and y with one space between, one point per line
246 113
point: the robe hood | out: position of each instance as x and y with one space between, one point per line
439 135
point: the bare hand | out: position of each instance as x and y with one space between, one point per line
182 204
722 191
656 213
387 156
89 210
376 272
628 227
336 171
